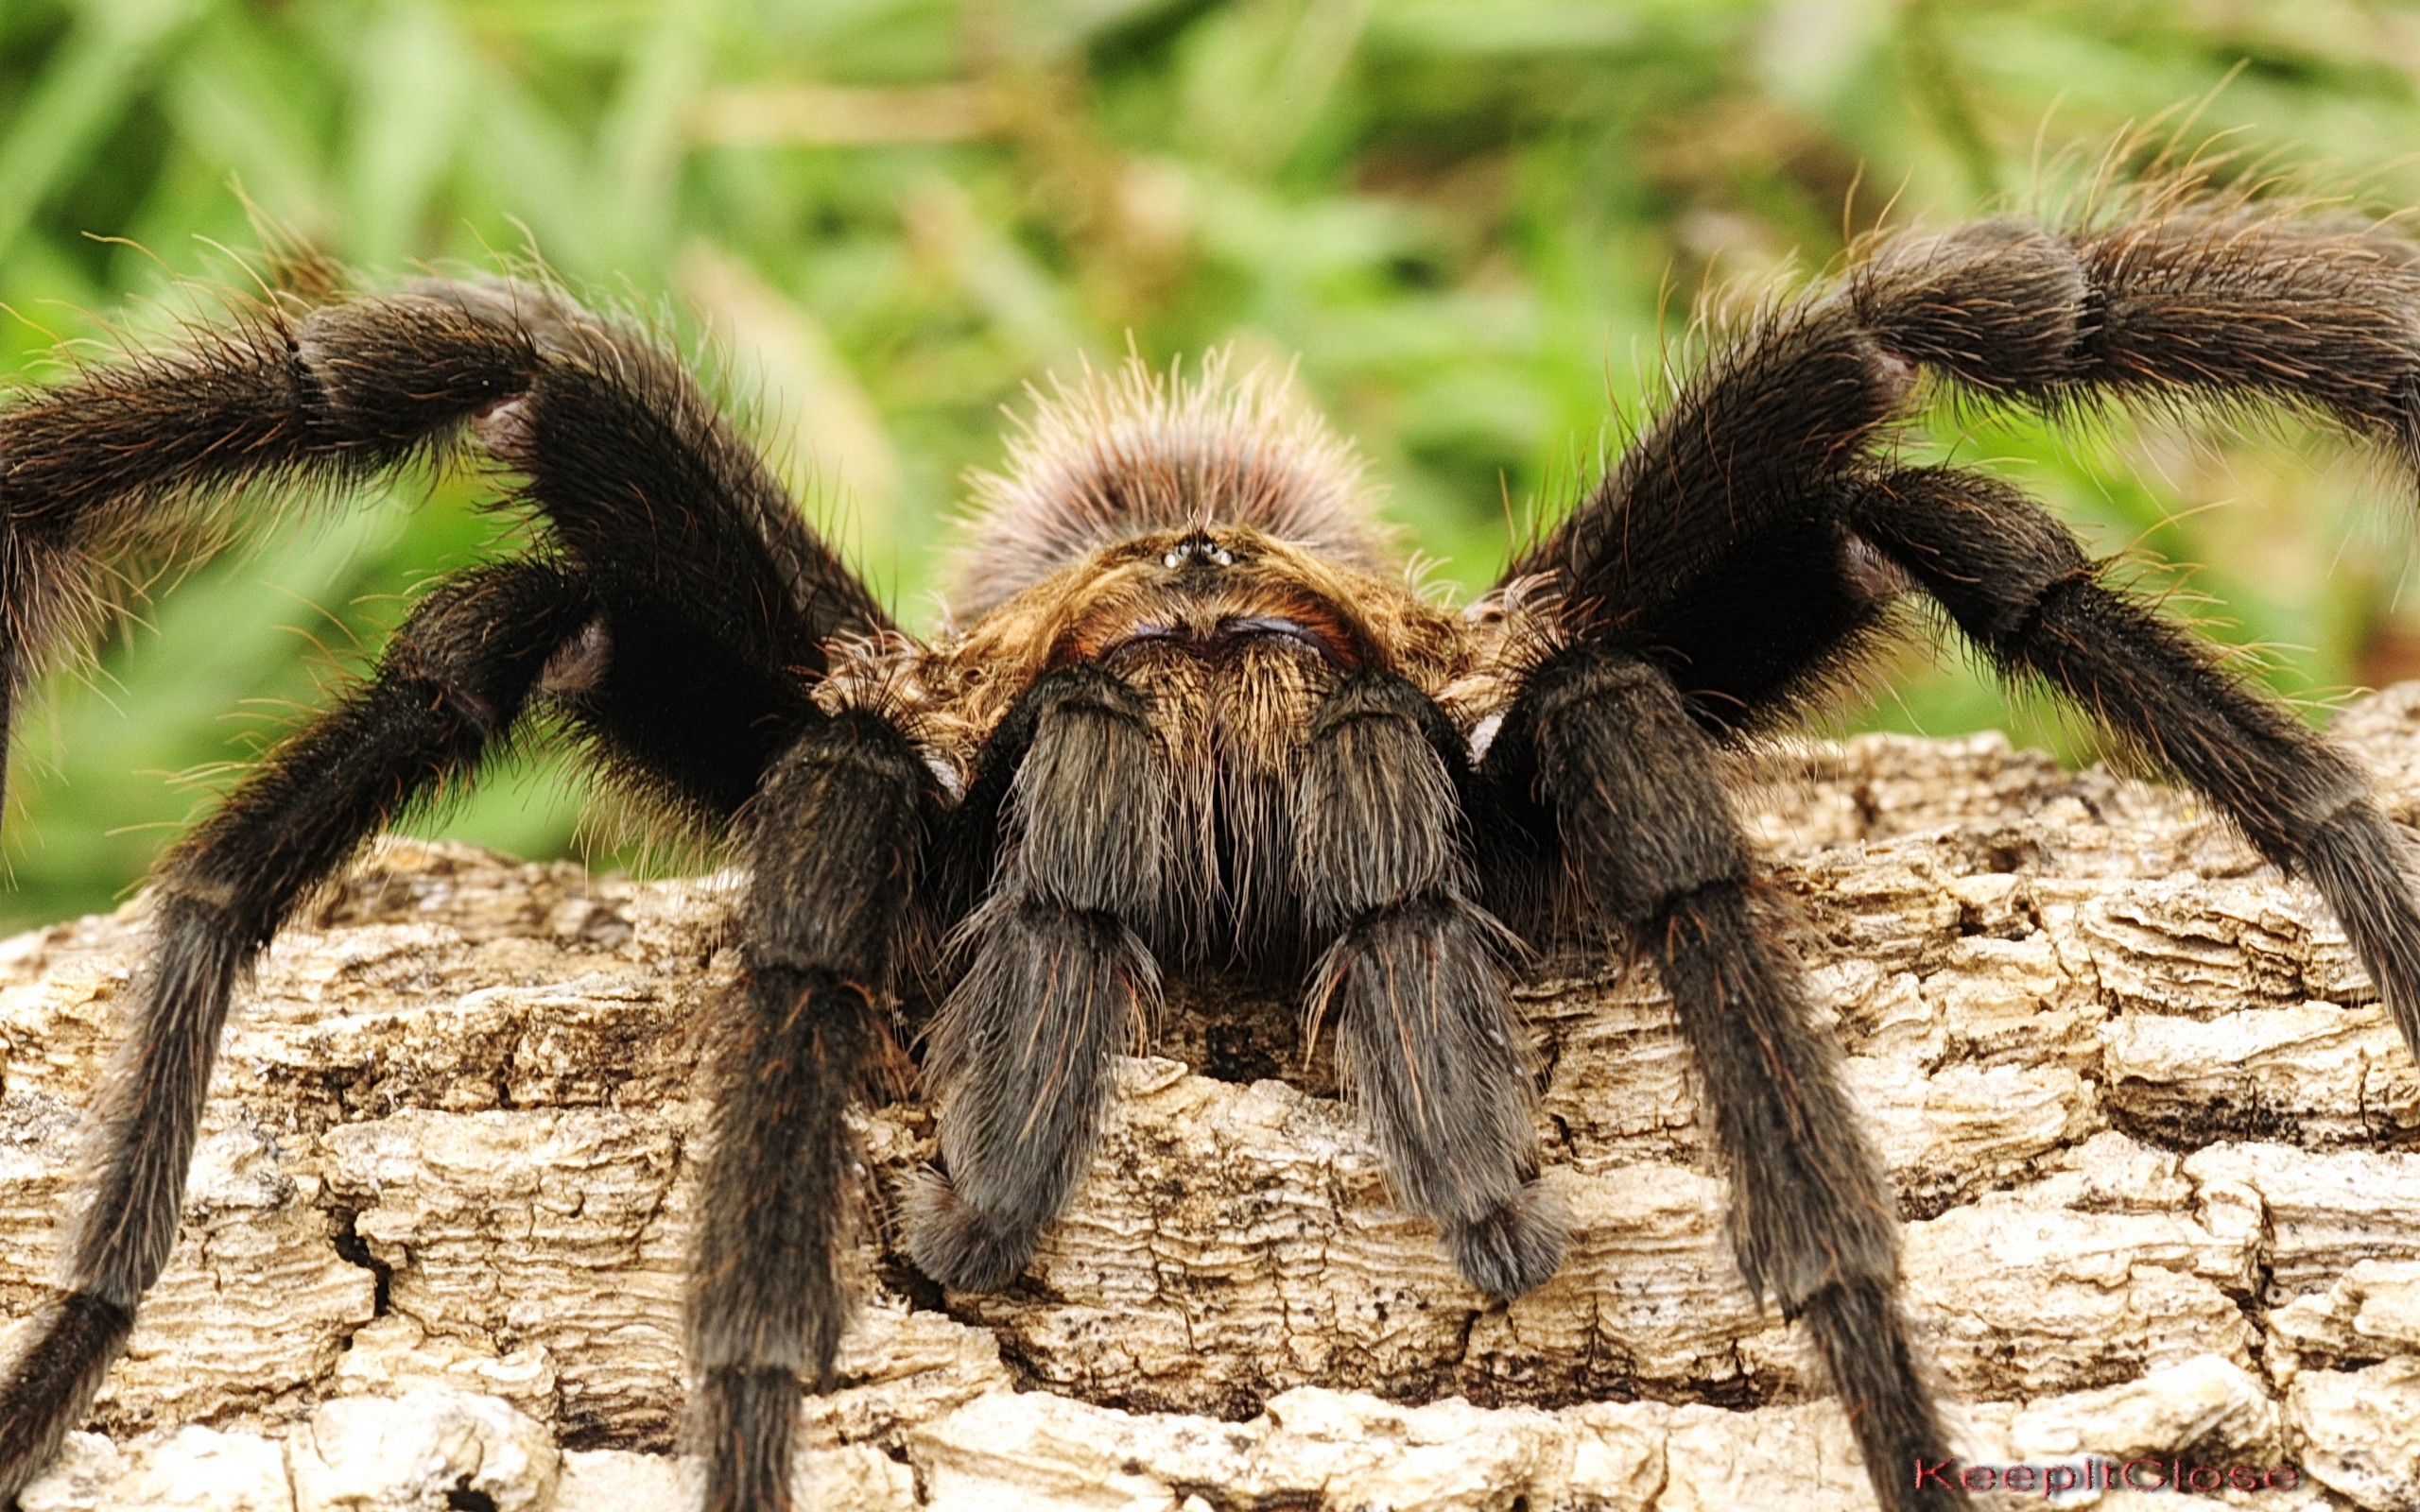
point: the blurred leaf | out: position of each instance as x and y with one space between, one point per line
235 100
997 275
410 83
643 132
84 87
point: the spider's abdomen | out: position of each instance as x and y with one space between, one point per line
1114 458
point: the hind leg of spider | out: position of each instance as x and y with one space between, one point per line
2017 581
1059 979
1426 1037
833 838
448 690
1650 842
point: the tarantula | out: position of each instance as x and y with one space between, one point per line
1192 719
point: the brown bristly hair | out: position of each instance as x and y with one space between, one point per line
1136 450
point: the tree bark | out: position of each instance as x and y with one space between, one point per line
2158 1148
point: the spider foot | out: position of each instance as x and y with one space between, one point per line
1514 1249
75 1340
752 1417
958 1245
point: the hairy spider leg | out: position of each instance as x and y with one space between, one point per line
2017 582
132 452
448 690
1655 854
2186 308
721 595
1426 1038
625 460
832 839
1749 470
695 602
1058 978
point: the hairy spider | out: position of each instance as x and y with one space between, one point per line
1192 719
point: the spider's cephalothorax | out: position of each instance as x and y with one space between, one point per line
1194 721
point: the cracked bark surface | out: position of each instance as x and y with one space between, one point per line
2158 1148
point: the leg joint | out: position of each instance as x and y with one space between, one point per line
2000 305
856 748
1586 675
1090 802
385 374
835 837
1378 820
1632 778
1691 903
1372 697
1991 556
1082 686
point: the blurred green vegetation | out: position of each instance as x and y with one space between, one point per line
1480 226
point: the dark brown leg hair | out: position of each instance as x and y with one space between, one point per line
2017 582
1651 849
1426 1037
2182 308
1771 629
447 692
670 716
624 461
703 600
834 838
1060 979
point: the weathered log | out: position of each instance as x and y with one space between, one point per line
2158 1148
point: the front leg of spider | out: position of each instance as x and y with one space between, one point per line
1655 854
1745 548
1414 979
2019 584
683 604
834 841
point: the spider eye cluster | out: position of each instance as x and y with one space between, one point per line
1198 547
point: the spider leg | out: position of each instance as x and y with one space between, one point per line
1059 978
448 690
1426 1037
1654 850
833 838
691 630
2190 306
2017 581
623 459
671 715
